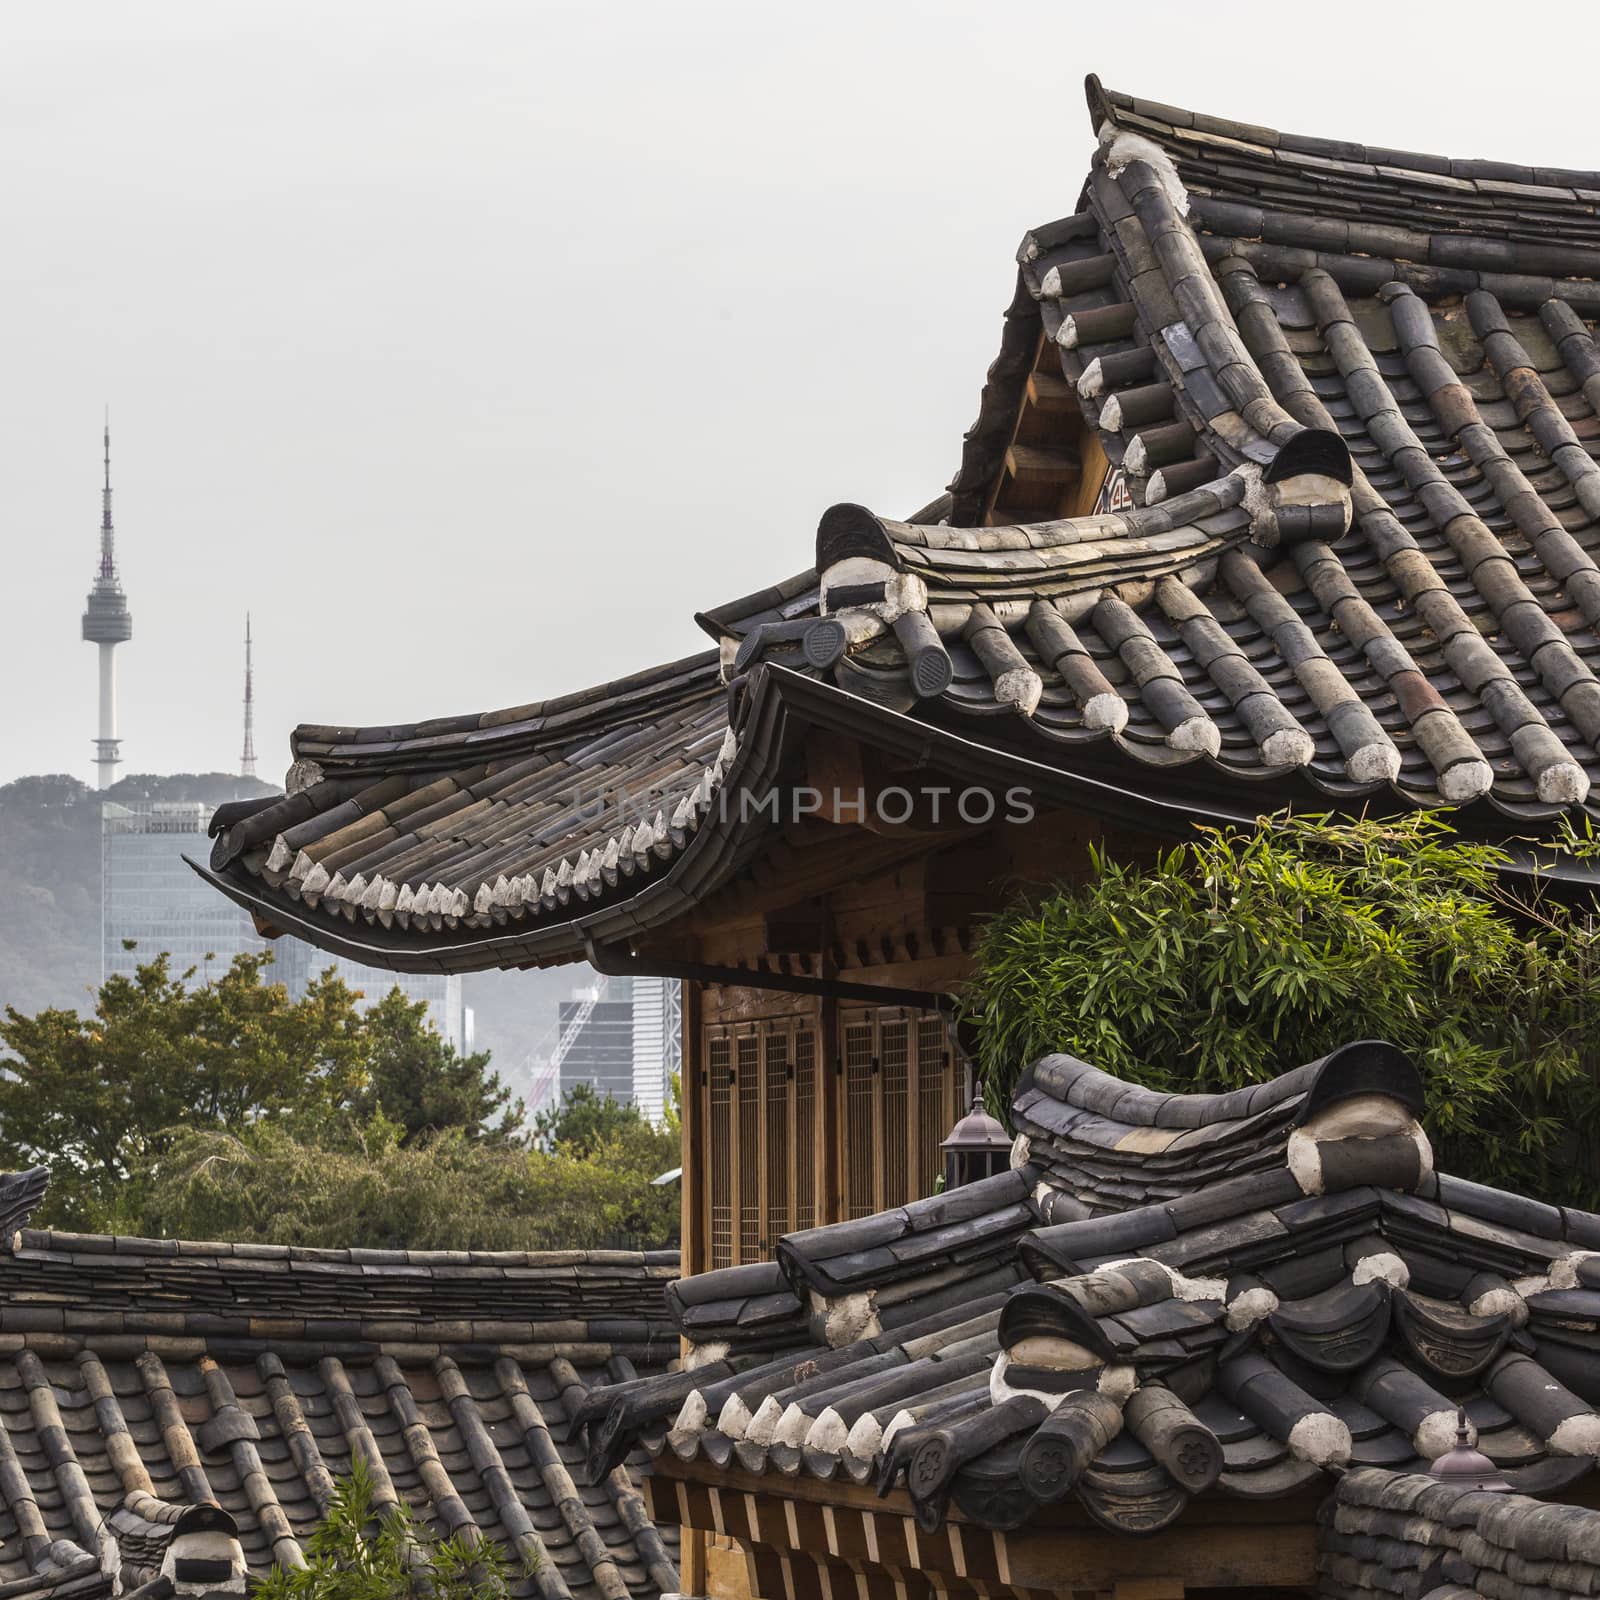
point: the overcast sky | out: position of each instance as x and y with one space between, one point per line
474 346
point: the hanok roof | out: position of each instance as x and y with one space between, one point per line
140 1377
1236 1293
1350 398
1354 393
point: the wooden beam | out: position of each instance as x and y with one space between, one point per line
728 1574
798 929
1148 1589
850 785
1208 1554
1031 466
1216 1543
1050 393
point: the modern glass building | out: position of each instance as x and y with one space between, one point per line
602 1052
623 1036
150 899
657 1042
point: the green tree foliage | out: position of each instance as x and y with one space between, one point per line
1243 953
440 1193
359 1553
101 1099
420 1082
228 1110
584 1122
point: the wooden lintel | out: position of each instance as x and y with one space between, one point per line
851 787
800 929
1240 1555
1216 1543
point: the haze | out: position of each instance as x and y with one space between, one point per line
473 347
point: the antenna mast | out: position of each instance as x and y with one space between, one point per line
247 759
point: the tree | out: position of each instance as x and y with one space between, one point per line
420 1082
584 1121
95 1097
101 1099
1243 953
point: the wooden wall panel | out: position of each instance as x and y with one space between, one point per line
805 1129
785 1135
760 1147
861 1174
719 1142
748 1143
777 1090
895 1172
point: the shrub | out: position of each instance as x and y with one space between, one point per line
354 1554
1243 953
443 1193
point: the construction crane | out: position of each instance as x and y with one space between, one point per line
546 1075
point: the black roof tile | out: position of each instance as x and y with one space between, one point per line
1303 1332
171 1374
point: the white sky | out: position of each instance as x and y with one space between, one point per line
474 346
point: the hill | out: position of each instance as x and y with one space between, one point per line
50 876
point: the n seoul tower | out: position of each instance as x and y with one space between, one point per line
107 622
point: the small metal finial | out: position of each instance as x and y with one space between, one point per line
1464 1465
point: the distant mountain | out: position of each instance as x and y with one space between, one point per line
50 906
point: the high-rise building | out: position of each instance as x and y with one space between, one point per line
601 1053
151 898
657 1042
107 622
621 1036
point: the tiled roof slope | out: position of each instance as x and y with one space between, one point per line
1404 1534
1314 1300
140 1377
511 823
1355 396
915 1261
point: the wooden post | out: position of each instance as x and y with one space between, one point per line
736 1176
791 1089
830 1094
765 1237
884 1183
919 1183
695 1224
